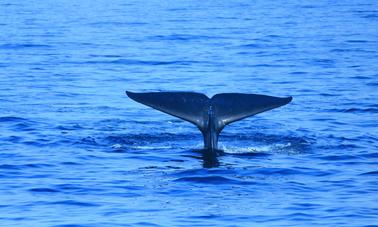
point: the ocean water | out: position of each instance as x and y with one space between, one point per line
76 151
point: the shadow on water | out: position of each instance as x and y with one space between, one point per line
210 157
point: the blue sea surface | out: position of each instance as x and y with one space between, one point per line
76 151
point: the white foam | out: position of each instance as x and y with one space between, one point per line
117 146
151 147
254 149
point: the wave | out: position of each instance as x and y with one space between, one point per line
360 110
24 46
73 203
212 180
13 119
24 166
142 62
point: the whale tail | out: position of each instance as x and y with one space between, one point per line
188 106
209 114
231 107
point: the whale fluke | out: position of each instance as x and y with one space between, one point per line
210 115
188 106
231 107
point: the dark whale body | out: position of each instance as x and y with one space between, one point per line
210 115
